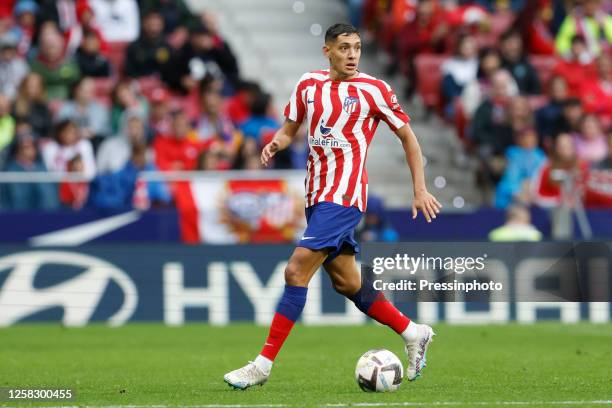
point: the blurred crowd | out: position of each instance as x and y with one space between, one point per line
527 84
110 88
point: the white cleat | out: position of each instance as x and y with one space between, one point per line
417 351
246 377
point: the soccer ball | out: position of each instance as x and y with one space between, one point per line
379 370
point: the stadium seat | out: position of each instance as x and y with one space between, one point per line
429 78
190 104
149 84
103 90
545 65
116 54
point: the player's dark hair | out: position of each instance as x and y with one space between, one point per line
338 29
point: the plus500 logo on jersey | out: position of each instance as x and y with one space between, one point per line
79 297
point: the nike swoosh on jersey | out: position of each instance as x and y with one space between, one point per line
305 238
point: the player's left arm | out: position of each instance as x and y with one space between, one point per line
423 200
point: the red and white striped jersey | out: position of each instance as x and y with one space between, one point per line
342 117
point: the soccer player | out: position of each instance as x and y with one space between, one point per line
342 108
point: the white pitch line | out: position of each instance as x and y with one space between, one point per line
455 403
356 404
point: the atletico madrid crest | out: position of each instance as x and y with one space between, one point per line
350 104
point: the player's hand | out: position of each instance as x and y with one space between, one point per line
269 151
427 203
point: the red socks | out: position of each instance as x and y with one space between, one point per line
288 311
373 303
279 330
384 312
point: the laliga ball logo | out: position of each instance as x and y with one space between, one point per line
379 370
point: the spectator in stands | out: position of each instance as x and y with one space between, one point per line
12 68
425 33
577 66
58 70
86 22
117 19
490 127
549 115
375 226
518 227
159 119
606 163
515 61
209 159
30 105
546 188
124 189
458 72
180 149
143 194
591 141
261 120
25 24
238 106
126 96
596 90
150 52
116 151
91 117
73 194
67 144
248 157
523 160
589 21
520 115
29 196
209 20
89 58
7 129
571 114
534 22
6 8
202 56
478 89
214 125
176 14
63 13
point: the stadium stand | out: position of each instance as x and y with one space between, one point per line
216 61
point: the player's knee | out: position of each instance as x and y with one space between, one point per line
345 287
295 275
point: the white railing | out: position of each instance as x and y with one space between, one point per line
58 177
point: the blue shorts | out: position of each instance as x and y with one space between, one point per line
331 226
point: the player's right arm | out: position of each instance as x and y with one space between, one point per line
282 139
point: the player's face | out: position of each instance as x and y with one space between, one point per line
344 54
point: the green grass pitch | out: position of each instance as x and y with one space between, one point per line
545 364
